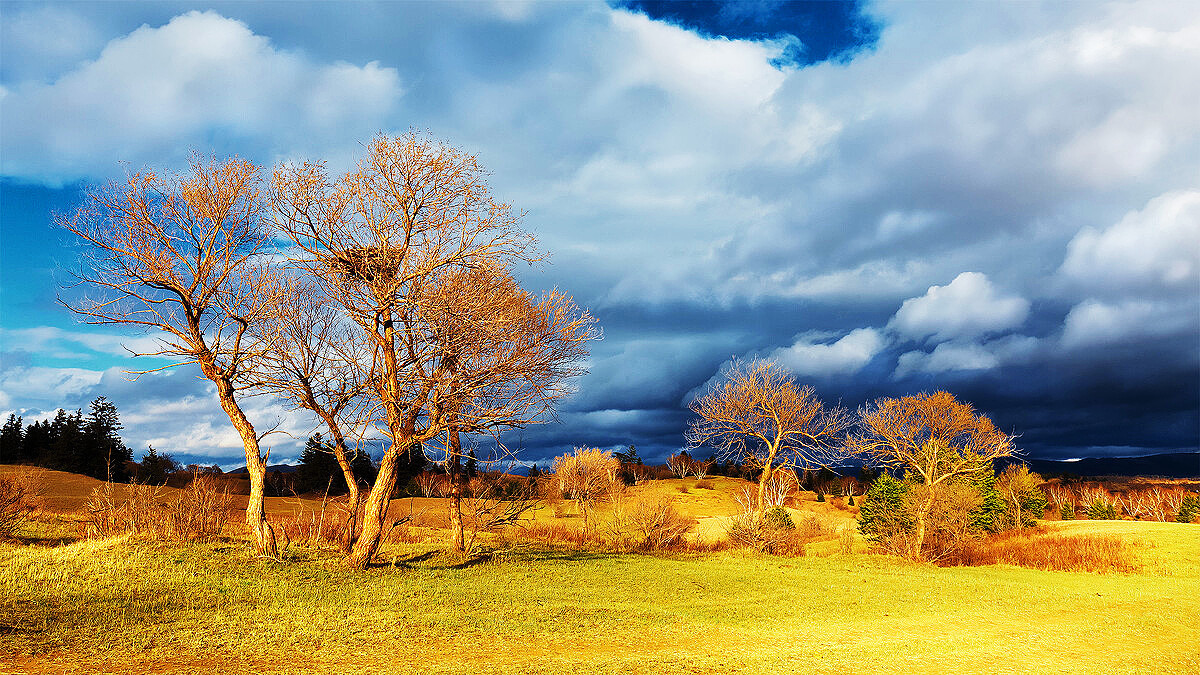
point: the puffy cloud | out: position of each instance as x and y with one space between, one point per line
1095 322
201 80
847 355
1155 248
969 306
948 356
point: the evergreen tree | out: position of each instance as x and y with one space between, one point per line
37 442
12 441
471 464
154 469
66 442
104 455
319 469
989 515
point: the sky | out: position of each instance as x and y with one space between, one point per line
1001 200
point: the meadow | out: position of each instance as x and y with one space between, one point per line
129 605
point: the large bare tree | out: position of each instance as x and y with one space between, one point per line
933 438
390 244
761 416
182 255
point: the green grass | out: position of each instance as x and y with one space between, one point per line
123 605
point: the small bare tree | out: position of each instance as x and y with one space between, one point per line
760 416
585 475
183 255
309 359
781 486
932 437
680 464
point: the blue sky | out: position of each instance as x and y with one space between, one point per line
997 199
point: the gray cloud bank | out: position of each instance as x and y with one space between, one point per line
998 200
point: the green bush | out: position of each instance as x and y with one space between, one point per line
1100 509
1189 509
1067 512
881 514
777 518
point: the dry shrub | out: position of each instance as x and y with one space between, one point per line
775 531
201 512
314 528
141 513
703 484
20 495
553 533
650 524
1038 549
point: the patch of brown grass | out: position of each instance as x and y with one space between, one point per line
1038 549
553 533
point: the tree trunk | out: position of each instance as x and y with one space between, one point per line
256 465
922 516
375 512
351 534
456 519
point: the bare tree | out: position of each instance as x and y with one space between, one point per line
183 255
309 358
392 245
932 437
680 464
586 474
760 416
779 488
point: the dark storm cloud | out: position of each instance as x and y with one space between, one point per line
998 200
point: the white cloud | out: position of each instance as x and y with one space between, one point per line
1096 322
201 79
969 306
1155 248
845 356
19 386
59 343
948 356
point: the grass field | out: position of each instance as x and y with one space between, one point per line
122 605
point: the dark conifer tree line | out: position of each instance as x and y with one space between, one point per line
85 444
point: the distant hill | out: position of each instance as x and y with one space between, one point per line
1172 465
281 468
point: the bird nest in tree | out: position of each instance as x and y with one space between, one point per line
366 263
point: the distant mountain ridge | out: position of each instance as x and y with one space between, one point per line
1169 465
281 468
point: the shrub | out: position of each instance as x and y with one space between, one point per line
19 493
703 484
1066 511
1101 509
651 523
201 511
850 500
1189 509
777 518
